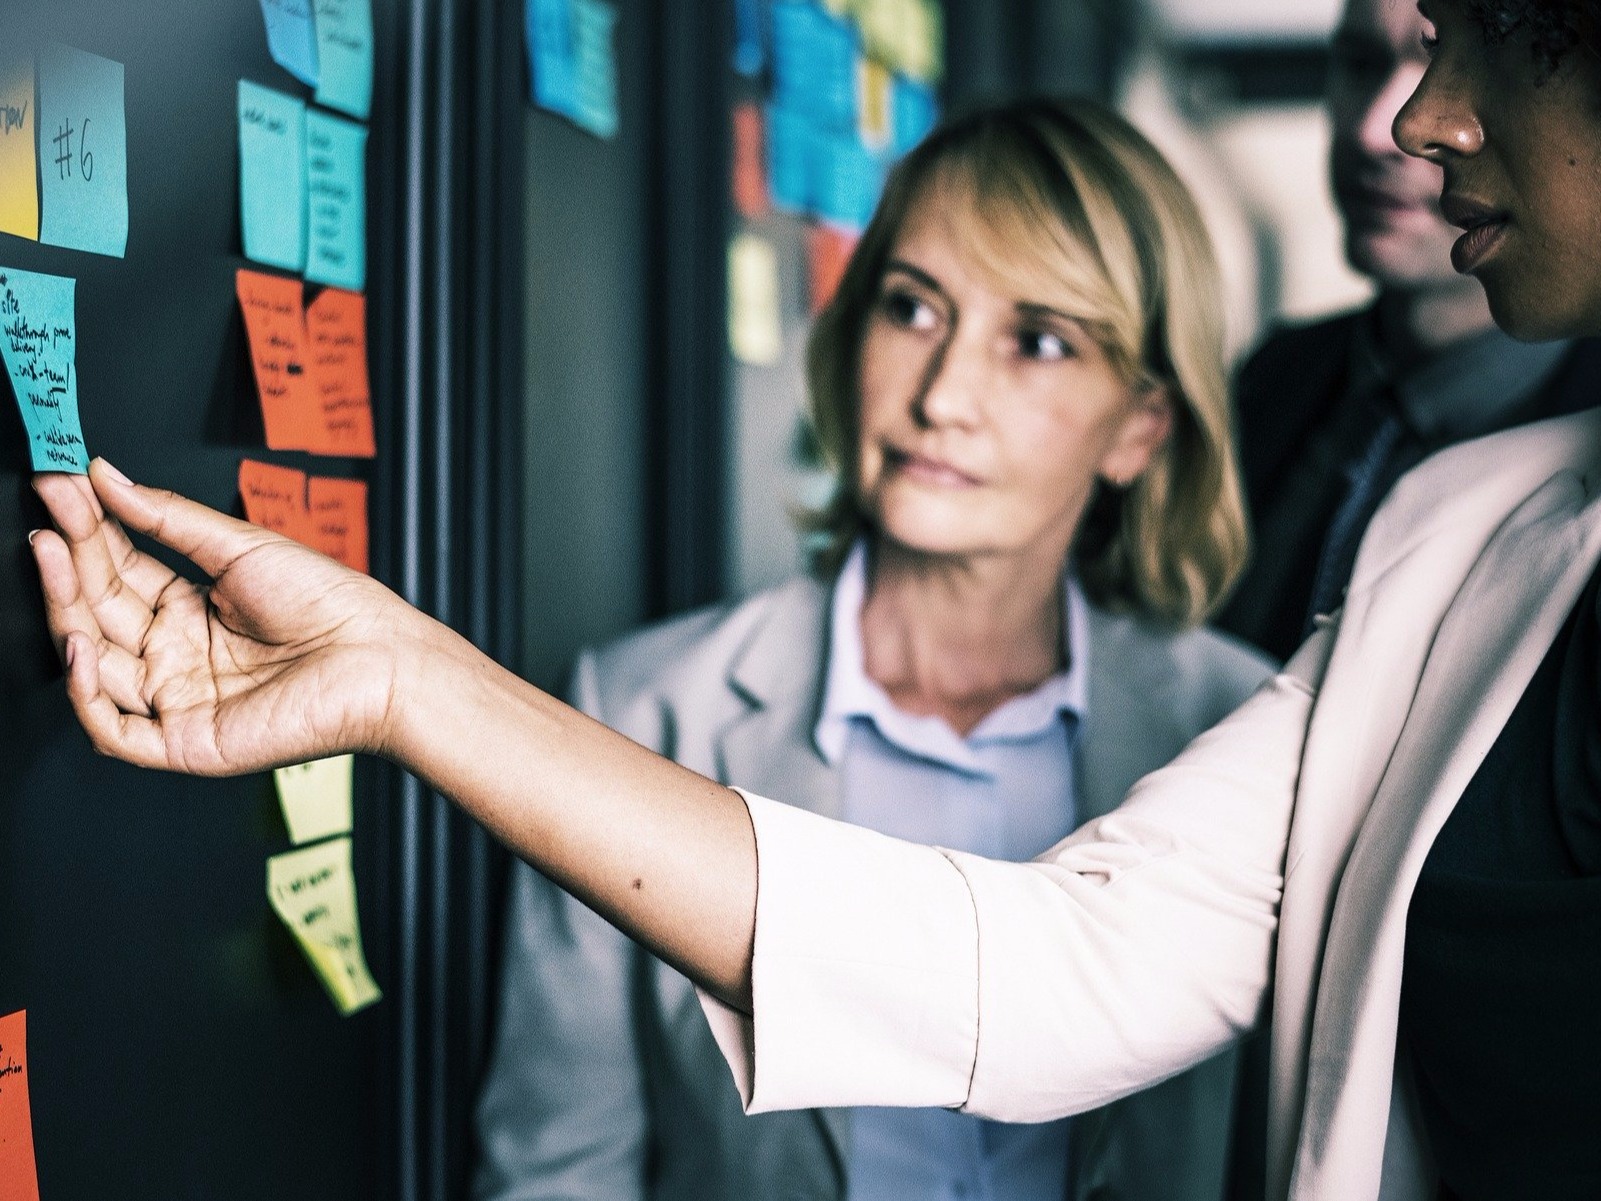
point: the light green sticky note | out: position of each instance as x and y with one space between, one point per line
39 343
755 327
314 891
316 797
272 176
336 196
344 55
83 152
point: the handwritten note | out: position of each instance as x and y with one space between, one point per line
316 797
275 499
344 55
19 1177
336 323
750 171
39 342
19 164
313 891
292 37
83 152
275 322
828 253
338 520
272 176
755 331
336 193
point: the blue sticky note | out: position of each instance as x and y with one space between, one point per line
815 57
750 50
791 152
849 180
916 111
272 176
292 37
83 152
594 32
344 55
39 342
336 202
552 60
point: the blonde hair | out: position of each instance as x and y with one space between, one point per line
1068 202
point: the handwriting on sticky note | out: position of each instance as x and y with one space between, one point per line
336 195
754 324
344 55
275 498
19 164
19 1177
316 797
313 891
336 323
274 309
39 343
292 37
272 176
338 520
83 152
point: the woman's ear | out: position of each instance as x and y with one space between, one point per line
1145 430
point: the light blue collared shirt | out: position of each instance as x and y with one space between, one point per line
1004 791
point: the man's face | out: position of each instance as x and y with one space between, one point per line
1391 203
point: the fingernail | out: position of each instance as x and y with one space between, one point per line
32 534
114 473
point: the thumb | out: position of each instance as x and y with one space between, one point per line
213 541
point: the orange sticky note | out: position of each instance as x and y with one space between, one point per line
275 320
339 520
336 324
275 497
750 172
828 253
19 1176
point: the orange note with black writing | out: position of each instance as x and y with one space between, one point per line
275 497
275 321
19 1177
336 324
339 520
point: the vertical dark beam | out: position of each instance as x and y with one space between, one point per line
690 167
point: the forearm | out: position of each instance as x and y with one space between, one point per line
665 854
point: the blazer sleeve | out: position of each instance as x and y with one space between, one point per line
890 974
563 1111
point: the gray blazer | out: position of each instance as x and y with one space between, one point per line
605 1083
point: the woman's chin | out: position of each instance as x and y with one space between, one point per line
1539 314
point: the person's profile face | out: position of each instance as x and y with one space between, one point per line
1394 231
1521 151
986 417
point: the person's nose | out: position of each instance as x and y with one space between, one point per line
1436 123
953 387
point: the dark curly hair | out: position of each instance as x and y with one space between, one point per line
1554 27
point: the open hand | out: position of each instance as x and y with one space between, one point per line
288 656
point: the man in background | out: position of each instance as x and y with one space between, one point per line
1332 414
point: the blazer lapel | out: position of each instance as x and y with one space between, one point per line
1125 700
1491 640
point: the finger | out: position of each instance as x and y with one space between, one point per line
66 612
76 511
134 738
213 541
122 614
122 676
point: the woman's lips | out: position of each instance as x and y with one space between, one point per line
1473 247
924 470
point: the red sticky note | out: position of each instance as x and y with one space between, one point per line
828 253
275 497
336 324
339 520
750 172
275 321
19 1176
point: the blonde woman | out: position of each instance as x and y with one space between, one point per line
1019 384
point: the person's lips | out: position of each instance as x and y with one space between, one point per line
1485 226
1386 202
926 469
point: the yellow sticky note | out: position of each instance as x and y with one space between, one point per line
755 330
314 891
906 35
875 92
316 797
19 170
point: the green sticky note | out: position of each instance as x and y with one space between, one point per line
336 198
83 152
292 37
344 55
39 342
272 176
316 797
313 891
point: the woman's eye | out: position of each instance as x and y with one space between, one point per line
909 311
1042 345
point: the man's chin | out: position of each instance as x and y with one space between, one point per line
1395 258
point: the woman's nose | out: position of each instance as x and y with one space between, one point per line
1435 123
953 386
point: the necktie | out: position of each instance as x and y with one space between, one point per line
1368 477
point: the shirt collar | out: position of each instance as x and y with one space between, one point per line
849 693
1462 392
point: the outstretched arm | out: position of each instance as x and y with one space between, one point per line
288 656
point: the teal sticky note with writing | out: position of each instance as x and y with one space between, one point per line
336 202
344 55
272 176
292 37
595 60
39 343
83 152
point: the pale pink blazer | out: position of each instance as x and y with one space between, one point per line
1275 858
